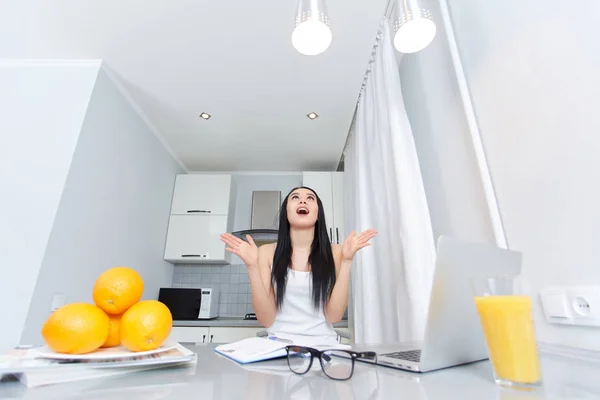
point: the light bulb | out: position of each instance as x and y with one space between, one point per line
414 35
414 28
311 34
311 37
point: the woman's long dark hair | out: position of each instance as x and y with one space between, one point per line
320 258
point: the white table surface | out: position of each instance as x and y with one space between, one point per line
216 377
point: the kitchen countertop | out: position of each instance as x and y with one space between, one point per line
234 322
216 377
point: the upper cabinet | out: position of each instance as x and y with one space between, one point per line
201 194
329 186
339 213
196 239
199 214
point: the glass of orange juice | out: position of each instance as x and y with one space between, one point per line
505 313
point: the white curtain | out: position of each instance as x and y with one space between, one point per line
391 280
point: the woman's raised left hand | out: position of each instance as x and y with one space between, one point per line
355 242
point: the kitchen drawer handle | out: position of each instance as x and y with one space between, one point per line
203 338
199 211
190 255
337 235
211 338
331 235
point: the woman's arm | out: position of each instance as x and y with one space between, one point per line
258 262
343 255
263 297
338 301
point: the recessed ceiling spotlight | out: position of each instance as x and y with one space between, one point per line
205 115
312 115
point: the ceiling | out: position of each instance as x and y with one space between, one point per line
230 58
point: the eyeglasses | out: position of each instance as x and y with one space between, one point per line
336 364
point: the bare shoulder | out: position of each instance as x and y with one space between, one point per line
268 249
266 252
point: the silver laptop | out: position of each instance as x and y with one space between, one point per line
453 335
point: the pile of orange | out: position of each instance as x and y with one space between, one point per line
117 318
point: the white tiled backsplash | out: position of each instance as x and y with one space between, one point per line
235 299
232 280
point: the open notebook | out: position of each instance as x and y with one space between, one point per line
258 349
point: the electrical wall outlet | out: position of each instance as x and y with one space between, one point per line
572 305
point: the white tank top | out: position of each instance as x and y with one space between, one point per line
298 320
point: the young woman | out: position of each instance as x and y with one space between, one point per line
300 284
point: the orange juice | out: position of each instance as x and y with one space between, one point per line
508 327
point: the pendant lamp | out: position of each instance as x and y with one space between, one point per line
413 26
312 33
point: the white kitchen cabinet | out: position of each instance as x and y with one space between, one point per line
345 332
320 182
194 239
213 334
330 189
189 334
229 334
201 194
339 214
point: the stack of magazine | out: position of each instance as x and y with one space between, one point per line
37 366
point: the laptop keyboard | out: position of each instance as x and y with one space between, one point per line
411 355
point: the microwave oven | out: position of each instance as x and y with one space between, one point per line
190 304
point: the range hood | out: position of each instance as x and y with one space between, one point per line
264 217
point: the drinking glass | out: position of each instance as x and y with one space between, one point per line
505 312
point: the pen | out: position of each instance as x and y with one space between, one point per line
280 340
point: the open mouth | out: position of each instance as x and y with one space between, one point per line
302 211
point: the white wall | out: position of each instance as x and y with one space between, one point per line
432 99
114 210
532 69
43 107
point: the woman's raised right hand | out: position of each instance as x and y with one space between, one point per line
246 250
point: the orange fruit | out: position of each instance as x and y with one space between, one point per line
146 326
114 332
117 289
76 328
